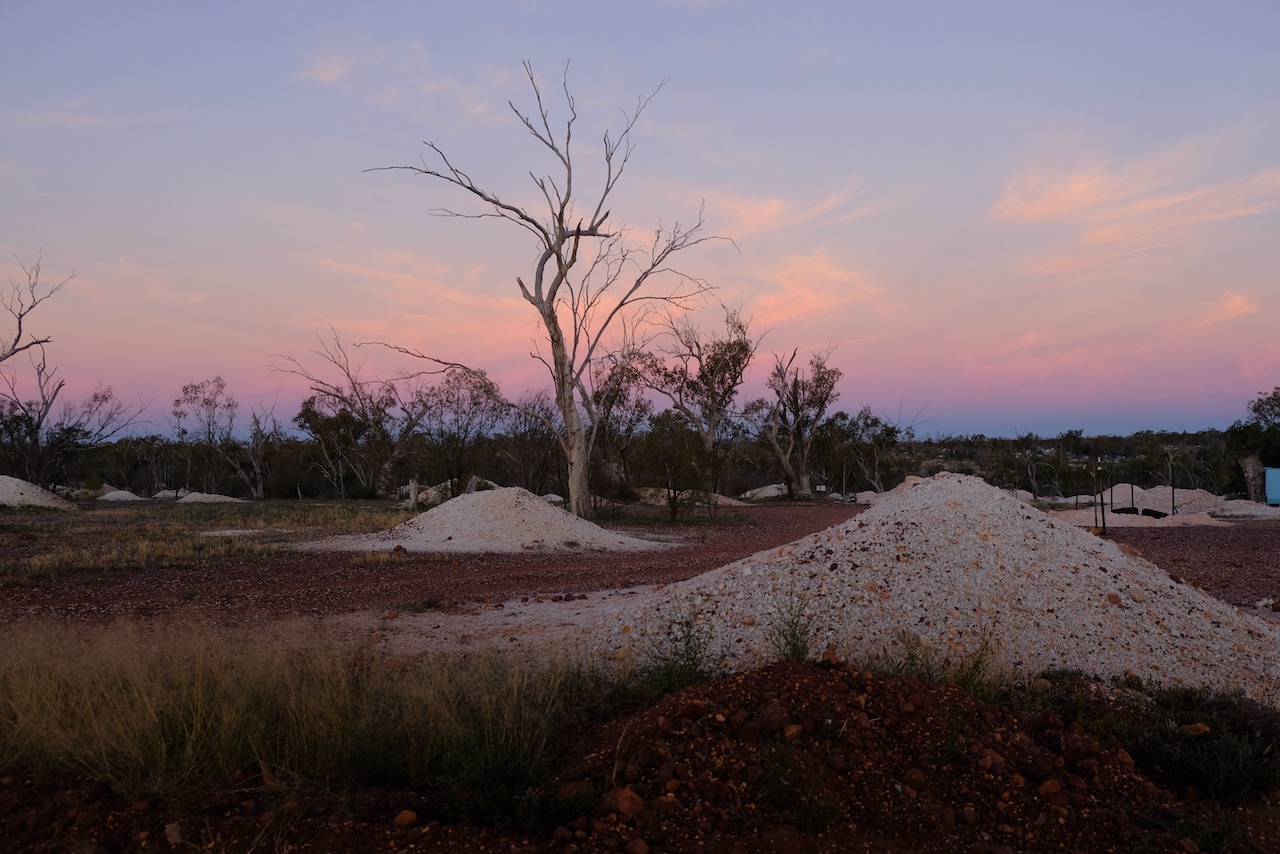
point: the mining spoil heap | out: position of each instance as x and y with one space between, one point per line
948 566
494 520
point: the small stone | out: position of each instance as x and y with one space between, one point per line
1193 729
629 803
173 833
791 732
405 818
1050 787
637 846
693 710
773 717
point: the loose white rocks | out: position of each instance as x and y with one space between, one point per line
948 565
495 520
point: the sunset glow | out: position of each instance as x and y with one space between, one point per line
1002 218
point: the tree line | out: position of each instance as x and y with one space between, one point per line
361 437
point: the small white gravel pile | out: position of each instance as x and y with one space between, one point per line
773 490
208 498
19 493
495 520
120 495
945 564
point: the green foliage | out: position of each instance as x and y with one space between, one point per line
1224 745
671 663
1265 411
672 455
790 632
975 671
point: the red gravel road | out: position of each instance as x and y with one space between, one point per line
321 583
1239 564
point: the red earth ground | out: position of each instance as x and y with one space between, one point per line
794 757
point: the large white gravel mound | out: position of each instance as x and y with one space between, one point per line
15 492
946 564
495 520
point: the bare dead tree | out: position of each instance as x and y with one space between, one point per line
213 413
19 301
588 273
370 422
38 440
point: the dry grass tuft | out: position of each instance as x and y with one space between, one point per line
163 711
163 534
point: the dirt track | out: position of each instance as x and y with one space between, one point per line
1239 564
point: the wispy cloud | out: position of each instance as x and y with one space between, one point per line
1030 360
397 77
813 286
77 114
1121 212
1231 306
752 215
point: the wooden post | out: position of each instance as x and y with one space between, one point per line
413 493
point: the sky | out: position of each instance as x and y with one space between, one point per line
999 217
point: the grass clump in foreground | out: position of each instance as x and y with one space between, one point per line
165 712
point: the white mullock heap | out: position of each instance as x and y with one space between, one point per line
15 492
496 520
946 564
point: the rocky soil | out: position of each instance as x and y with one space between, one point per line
788 757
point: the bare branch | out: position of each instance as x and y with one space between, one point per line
19 301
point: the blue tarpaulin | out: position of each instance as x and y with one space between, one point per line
1273 486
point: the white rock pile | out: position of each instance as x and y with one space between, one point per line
208 498
948 565
15 492
120 495
495 520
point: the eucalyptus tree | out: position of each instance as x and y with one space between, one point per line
700 373
589 273
788 423
365 425
205 422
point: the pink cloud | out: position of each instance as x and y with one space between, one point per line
1231 306
812 286
740 216
1126 217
